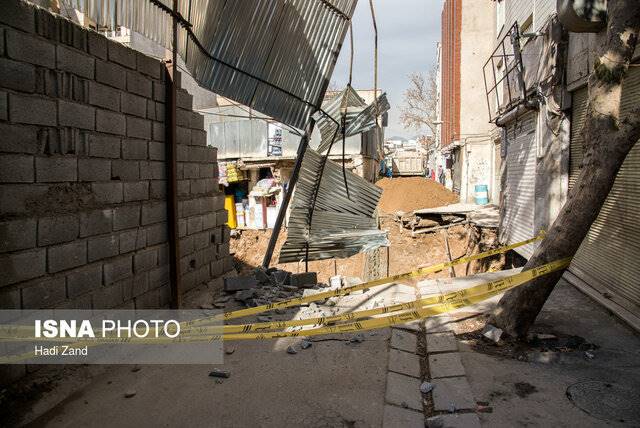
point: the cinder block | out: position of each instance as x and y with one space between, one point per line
16 168
125 170
238 283
75 62
95 222
27 48
18 76
208 221
196 122
159 91
188 208
121 54
55 230
158 131
110 122
97 44
104 96
56 169
17 235
134 149
134 104
19 15
198 137
16 198
191 170
154 213
94 169
184 187
135 286
187 245
101 247
104 146
10 299
139 84
17 267
157 189
32 110
66 256
159 276
83 280
150 299
184 99
4 106
149 66
107 193
108 297
159 111
157 151
145 260
183 136
138 128
118 269
201 240
194 225
111 74
222 217
44 293
183 117
182 227
76 115
206 170
132 240
153 170
136 191
126 217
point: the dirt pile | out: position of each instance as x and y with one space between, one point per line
413 193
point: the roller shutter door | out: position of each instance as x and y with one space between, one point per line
519 197
608 259
579 111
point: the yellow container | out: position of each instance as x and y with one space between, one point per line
230 206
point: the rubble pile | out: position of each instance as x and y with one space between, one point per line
413 193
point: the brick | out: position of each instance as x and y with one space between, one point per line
94 169
118 269
403 340
17 267
134 149
157 233
403 391
153 170
104 96
136 191
108 297
76 115
110 122
441 342
18 76
32 110
138 128
125 170
97 44
139 84
95 222
107 193
19 15
16 169
16 198
145 260
157 151
455 420
149 66
126 217
104 146
84 280
17 235
452 391
56 169
134 104
75 62
55 230
445 365
121 54
111 74
406 363
44 293
27 48
394 417
154 213
101 247
66 256
132 240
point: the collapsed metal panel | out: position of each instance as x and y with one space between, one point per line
339 225
292 44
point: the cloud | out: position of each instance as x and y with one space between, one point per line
407 34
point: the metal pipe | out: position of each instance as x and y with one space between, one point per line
172 175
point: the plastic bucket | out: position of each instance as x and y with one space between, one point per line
482 194
230 206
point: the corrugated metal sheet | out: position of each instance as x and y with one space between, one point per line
340 226
292 44
519 197
608 257
578 113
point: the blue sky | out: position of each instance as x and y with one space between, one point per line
407 34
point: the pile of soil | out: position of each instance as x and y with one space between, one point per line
413 193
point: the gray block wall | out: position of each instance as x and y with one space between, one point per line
83 220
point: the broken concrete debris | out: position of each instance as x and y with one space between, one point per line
220 373
305 344
304 279
130 393
240 283
492 333
291 350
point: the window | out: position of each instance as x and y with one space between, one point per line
499 16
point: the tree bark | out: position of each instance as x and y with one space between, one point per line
608 138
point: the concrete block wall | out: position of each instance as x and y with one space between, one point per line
83 211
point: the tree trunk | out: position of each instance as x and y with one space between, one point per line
608 138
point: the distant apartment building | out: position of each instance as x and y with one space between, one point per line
468 31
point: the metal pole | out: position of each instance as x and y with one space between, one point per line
302 148
172 176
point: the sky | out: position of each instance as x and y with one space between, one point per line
408 31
